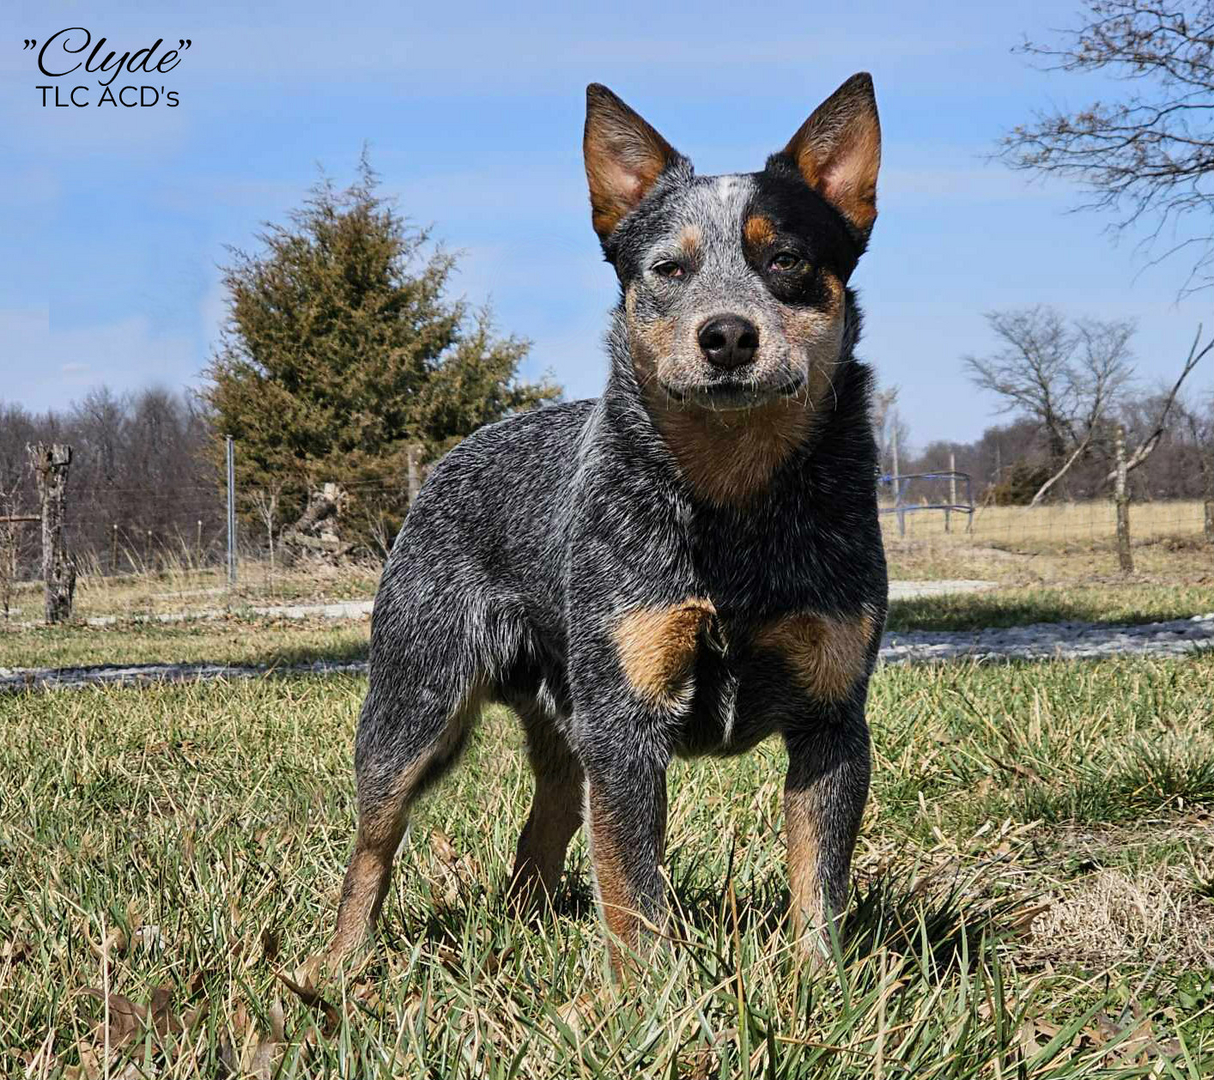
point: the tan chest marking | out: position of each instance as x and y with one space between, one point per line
657 647
825 653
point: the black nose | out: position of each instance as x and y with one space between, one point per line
728 341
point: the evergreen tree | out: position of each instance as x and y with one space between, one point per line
341 352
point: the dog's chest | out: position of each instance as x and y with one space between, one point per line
724 683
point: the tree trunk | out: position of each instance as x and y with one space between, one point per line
314 532
58 570
1121 494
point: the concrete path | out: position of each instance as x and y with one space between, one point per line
361 609
1043 641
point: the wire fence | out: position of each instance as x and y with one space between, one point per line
1052 525
186 527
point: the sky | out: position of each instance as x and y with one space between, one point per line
115 221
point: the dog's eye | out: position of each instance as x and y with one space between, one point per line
668 268
785 260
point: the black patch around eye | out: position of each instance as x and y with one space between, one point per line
801 220
803 285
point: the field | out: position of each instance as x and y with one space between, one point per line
1053 523
1034 884
1035 894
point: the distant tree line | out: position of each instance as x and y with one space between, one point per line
1009 462
139 487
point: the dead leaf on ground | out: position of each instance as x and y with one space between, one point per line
16 951
128 1021
255 1053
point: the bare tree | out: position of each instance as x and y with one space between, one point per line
1145 157
889 428
265 505
1064 377
9 547
50 465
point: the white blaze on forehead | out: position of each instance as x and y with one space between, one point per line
726 186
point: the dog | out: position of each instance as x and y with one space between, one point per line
686 565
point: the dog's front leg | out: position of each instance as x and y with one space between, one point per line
626 817
824 795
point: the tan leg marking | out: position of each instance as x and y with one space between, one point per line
825 653
556 814
807 888
657 648
366 881
380 830
801 825
621 908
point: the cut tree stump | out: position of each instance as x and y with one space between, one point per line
50 464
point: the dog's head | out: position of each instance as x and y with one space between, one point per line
734 286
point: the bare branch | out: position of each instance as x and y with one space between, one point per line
1080 450
1147 446
1150 154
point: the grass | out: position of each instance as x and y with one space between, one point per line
1053 524
176 584
176 846
1116 602
234 640
1067 543
1062 544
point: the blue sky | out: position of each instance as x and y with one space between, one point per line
113 221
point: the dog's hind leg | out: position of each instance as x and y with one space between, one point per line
405 742
556 812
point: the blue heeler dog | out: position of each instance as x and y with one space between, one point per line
687 565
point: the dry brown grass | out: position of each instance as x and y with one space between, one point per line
176 585
1067 542
1116 916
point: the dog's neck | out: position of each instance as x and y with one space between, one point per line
729 457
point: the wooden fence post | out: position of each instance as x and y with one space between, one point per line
58 570
952 488
1209 471
414 456
1121 494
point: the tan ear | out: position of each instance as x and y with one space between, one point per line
838 151
624 156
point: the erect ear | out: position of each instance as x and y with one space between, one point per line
624 156
838 151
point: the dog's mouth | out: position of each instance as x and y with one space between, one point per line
728 396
